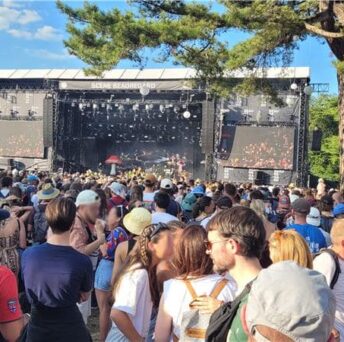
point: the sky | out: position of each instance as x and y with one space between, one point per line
32 34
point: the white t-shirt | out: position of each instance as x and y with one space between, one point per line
325 264
163 218
176 297
148 197
133 297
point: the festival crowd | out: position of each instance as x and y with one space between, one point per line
168 260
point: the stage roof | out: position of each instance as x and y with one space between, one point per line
148 74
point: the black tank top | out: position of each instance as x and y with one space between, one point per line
131 245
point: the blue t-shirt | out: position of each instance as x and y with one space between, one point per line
54 275
312 234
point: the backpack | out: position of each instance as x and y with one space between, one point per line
40 225
194 324
221 320
336 261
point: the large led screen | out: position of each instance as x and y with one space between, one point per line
21 138
258 147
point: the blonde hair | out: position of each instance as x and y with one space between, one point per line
289 245
258 206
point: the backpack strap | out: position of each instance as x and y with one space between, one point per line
190 288
218 288
337 271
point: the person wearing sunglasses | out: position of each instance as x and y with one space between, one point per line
135 287
236 239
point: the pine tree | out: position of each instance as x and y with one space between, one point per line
196 35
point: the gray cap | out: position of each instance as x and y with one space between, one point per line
301 206
293 300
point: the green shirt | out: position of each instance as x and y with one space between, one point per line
236 332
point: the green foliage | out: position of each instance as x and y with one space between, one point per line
324 116
192 33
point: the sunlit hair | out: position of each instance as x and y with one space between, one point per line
258 206
289 245
174 225
191 258
141 258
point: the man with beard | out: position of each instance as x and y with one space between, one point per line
236 239
87 234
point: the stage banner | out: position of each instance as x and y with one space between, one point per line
125 85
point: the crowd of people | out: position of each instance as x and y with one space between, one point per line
167 260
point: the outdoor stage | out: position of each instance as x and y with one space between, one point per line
156 119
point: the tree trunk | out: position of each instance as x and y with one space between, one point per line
340 78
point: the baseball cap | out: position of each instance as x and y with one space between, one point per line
283 203
87 197
189 202
4 214
150 179
303 310
314 217
137 220
198 190
293 198
301 206
32 178
117 188
166 184
338 209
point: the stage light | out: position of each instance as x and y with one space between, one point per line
186 114
136 107
293 86
144 91
109 135
81 106
308 90
162 108
108 107
95 106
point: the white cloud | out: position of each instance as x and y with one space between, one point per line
8 16
11 3
28 16
20 33
48 33
42 33
12 16
46 54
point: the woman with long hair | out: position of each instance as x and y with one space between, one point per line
290 245
116 234
194 268
136 287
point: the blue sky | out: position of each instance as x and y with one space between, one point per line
32 33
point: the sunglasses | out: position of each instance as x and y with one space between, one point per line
209 245
157 228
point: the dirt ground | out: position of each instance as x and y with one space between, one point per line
93 325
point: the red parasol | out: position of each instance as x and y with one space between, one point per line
114 160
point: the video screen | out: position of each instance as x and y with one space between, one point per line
19 138
258 147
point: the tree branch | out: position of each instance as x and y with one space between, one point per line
323 33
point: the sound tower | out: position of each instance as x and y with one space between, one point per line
48 121
208 118
316 140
